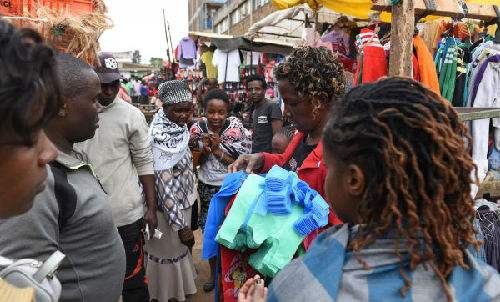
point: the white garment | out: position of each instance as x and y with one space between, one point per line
233 63
119 153
488 96
252 58
169 140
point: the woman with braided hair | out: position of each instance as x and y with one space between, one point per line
310 81
399 176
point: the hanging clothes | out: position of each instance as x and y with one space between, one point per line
372 54
426 68
187 53
227 64
207 59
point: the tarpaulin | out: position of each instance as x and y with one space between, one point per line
355 8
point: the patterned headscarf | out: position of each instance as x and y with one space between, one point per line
173 92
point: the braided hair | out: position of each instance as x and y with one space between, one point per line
409 142
315 73
29 89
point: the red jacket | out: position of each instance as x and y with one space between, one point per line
312 171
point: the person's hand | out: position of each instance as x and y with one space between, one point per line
253 291
214 142
207 145
248 162
151 221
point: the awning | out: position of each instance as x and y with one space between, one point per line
355 8
228 43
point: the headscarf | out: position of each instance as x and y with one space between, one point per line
173 162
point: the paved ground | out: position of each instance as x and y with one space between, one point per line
203 270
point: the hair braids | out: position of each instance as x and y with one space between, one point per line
410 144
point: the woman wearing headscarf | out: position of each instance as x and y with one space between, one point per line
170 266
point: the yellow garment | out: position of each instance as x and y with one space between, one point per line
9 293
355 8
207 58
426 67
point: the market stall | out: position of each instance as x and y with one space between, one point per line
455 57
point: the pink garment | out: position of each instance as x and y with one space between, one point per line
339 40
311 38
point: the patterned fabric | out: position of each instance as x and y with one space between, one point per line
173 92
344 278
165 260
174 187
235 140
169 140
206 192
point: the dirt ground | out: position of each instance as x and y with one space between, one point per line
203 270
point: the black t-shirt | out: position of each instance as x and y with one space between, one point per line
262 119
299 155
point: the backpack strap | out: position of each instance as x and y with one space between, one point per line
49 266
64 192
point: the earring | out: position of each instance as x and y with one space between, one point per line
62 112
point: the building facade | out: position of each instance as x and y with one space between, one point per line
202 14
231 17
236 16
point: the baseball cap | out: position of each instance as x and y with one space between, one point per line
108 70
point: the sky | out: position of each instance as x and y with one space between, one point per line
138 24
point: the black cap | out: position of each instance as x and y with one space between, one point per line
108 70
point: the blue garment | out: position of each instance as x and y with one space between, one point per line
144 90
329 272
215 217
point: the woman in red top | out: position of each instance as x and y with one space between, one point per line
309 82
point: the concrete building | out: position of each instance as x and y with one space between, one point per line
202 14
236 16
232 17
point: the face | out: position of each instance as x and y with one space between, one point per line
216 113
344 187
256 91
109 91
82 120
23 172
180 113
297 108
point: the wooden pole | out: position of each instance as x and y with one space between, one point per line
403 27
166 35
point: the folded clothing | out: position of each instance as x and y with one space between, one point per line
273 226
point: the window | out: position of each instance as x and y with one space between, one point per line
235 17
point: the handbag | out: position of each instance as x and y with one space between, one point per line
30 273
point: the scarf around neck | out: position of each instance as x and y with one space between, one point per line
169 140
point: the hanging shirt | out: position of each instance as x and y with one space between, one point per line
207 59
232 60
187 49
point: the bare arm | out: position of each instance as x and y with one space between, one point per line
277 125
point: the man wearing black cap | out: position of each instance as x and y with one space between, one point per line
121 156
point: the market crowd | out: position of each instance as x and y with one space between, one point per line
84 173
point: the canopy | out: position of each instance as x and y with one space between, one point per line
287 25
356 8
228 43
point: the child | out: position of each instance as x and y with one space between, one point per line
399 177
221 140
